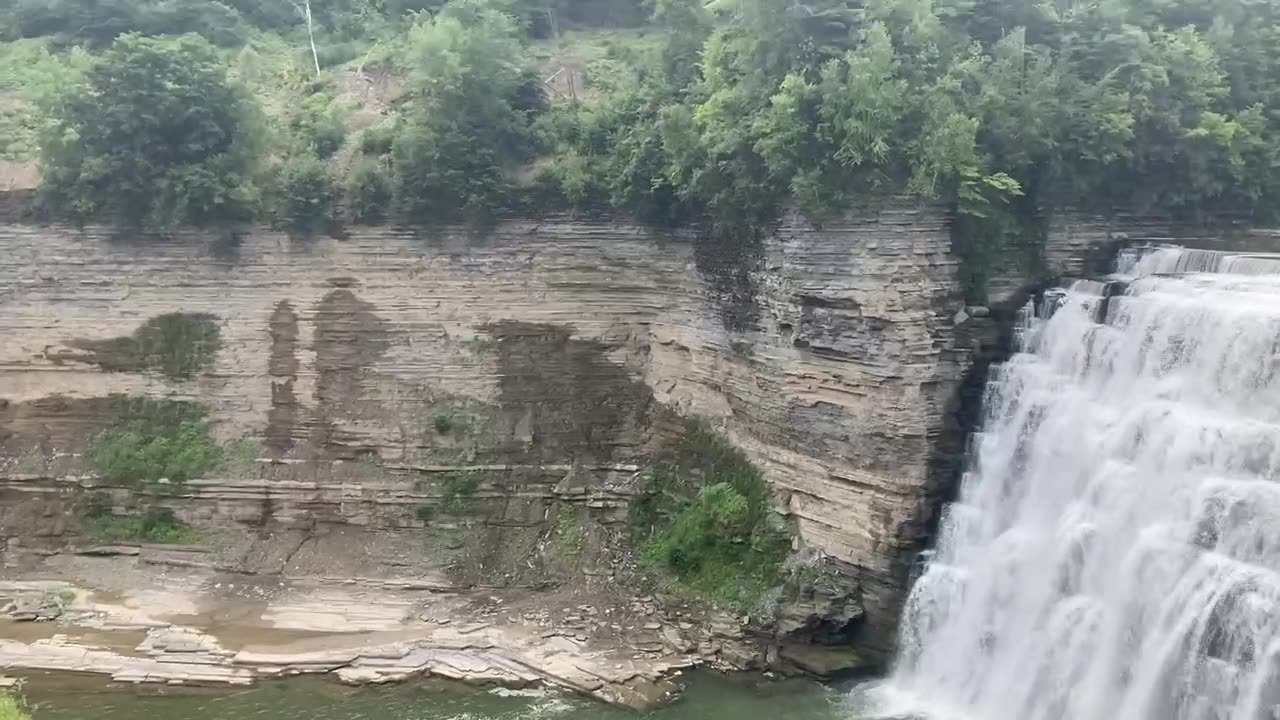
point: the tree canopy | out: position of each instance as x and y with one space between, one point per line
719 112
155 135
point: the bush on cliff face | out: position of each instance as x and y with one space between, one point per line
154 525
153 440
368 192
304 195
703 520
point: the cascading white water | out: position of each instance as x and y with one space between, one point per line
1115 550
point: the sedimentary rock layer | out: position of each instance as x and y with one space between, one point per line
829 354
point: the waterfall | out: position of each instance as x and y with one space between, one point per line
1115 550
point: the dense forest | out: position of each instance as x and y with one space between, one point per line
165 112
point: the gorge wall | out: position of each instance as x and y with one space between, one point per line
540 361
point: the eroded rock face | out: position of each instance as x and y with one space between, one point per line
839 388
535 360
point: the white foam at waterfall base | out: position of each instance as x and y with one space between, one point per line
1115 550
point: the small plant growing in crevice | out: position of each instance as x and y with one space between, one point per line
442 423
567 536
425 514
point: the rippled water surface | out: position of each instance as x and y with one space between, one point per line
708 698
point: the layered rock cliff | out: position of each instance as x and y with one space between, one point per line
540 362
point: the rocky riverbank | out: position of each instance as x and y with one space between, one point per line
113 613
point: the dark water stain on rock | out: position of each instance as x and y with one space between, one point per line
727 263
226 247
284 341
283 369
562 397
349 338
179 345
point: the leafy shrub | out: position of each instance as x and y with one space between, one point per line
96 24
567 535
425 514
442 423
472 97
154 440
368 192
156 136
11 708
703 520
572 180
318 125
378 139
305 195
543 192
155 525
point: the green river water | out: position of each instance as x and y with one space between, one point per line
708 698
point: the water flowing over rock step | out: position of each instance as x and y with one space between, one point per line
1164 259
1115 551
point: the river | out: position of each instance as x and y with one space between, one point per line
709 697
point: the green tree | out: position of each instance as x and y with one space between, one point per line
157 136
304 195
96 23
469 121
368 192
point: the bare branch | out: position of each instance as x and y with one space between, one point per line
304 9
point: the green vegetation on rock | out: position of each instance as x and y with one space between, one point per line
156 524
240 457
567 535
154 440
704 523
425 514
